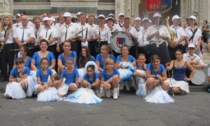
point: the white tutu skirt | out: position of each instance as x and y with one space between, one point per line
158 95
15 91
181 84
31 86
51 94
81 72
142 91
83 96
126 71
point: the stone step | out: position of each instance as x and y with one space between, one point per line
201 88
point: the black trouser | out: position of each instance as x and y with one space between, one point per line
52 49
7 58
93 47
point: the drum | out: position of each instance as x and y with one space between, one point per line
120 38
199 77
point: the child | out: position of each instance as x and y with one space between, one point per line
71 77
110 78
91 79
19 81
43 77
140 74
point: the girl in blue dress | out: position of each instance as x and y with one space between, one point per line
85 57
46 84
110 78
69 78
156 84
91 78
67 53
179 82
23 53
140 75
19 81
101 58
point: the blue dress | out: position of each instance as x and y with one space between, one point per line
179 73
28 62
63 60
130 59
70 77
37 59
101 61
44 77
108 76
159 72
14 72
91 81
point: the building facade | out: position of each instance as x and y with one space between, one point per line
131 8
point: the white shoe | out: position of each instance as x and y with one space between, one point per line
115 93
100 95
121 86
108 93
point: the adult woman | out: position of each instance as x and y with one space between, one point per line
193 34
156 84
6 55
23 54
43 53
101 58
178 83
67 53
125 63
85 57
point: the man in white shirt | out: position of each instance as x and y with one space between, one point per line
18 21
137 25
179 37
50 34
24 35
67 32
37 30
120 25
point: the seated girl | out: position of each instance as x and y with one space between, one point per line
140 74
19 81
69 78
110 78
85 57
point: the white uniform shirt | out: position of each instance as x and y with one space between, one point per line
91 29
119 26
23 33
68 31
195 57
162 30
137 31
47 33
87 32
179 33
2 35
104 33
196 37
37 33
142 38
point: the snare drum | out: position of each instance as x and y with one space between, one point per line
199 77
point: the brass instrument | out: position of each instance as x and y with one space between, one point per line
171 32
2 46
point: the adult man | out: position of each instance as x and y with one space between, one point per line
67 32
137 25
179 37
120 25
37 30
18 21
24 35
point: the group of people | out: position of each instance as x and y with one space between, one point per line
71 55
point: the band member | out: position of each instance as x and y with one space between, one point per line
101 33
137 25
6 55
92 43
113 17
120 25
18 21
37 29
49 33
178 37
24 35
67 33
110 24
78 17
193 34
158 36
143 43
60 23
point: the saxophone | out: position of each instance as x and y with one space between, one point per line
171 32
2 46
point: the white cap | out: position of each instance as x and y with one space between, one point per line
192 17
110 18
111 15
156 15
18 15
46 19
121 14
138 19
101 16
67 14
52 19
78 13
145 19
175 17
191 45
